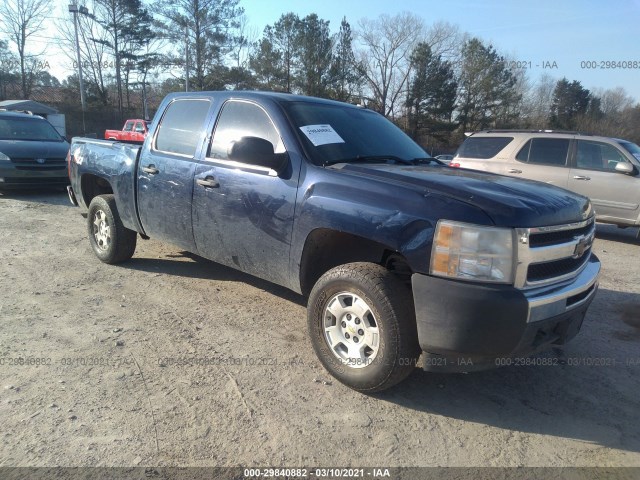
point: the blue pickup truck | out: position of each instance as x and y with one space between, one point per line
399 255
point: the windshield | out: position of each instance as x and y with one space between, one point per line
632 148
332 134
28 129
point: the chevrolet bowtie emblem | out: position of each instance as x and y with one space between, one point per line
584 243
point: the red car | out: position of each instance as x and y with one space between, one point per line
134 130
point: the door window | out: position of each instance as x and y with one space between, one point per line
127 127
545 151
597 156
139 127
482 147
242 119
181 126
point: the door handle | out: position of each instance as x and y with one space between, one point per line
581 177
208 182
514 170
150 169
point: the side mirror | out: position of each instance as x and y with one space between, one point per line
624 167
256 151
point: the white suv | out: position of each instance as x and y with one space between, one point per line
607 170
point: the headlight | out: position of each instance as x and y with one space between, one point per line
4 157
472 252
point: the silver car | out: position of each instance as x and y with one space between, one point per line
607 170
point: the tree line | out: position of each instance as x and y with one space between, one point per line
434 81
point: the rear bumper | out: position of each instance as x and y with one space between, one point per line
465 327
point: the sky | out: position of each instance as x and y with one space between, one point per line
561 38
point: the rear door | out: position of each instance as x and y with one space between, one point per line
243 213
543 159
615 196
166 169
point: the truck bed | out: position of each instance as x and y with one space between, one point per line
117 163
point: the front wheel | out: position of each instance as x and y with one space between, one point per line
111 241
362 326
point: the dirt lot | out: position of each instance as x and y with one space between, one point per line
99 384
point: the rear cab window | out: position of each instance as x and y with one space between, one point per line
182 126
545 151
482 147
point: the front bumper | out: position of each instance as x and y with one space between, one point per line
464 326
15 178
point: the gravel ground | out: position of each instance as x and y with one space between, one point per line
171 360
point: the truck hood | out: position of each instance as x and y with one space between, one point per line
33 149
508 201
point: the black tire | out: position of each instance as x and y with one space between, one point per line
121 242
390 302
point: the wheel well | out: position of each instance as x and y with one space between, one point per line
325 249
92 186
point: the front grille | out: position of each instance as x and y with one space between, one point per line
544 239
552 254
35 181
558 268
33 164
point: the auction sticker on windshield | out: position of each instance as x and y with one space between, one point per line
321 134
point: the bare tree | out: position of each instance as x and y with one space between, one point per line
446 40
93 39
613 100
19 20
384 57
245 36
537 102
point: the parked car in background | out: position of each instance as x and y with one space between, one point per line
444 158
134 130
32 152
605 169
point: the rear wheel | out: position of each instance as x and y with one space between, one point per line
111 241
362 326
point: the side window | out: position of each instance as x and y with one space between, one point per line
597 156
128 126
545 151
181 127
139 127
482 147
242 119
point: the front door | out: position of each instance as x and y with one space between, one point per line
243 213
614 195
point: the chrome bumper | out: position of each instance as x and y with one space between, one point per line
548 302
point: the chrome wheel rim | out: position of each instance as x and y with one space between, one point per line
101 230
351 330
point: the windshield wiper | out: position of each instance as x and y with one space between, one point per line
427 160
370 158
